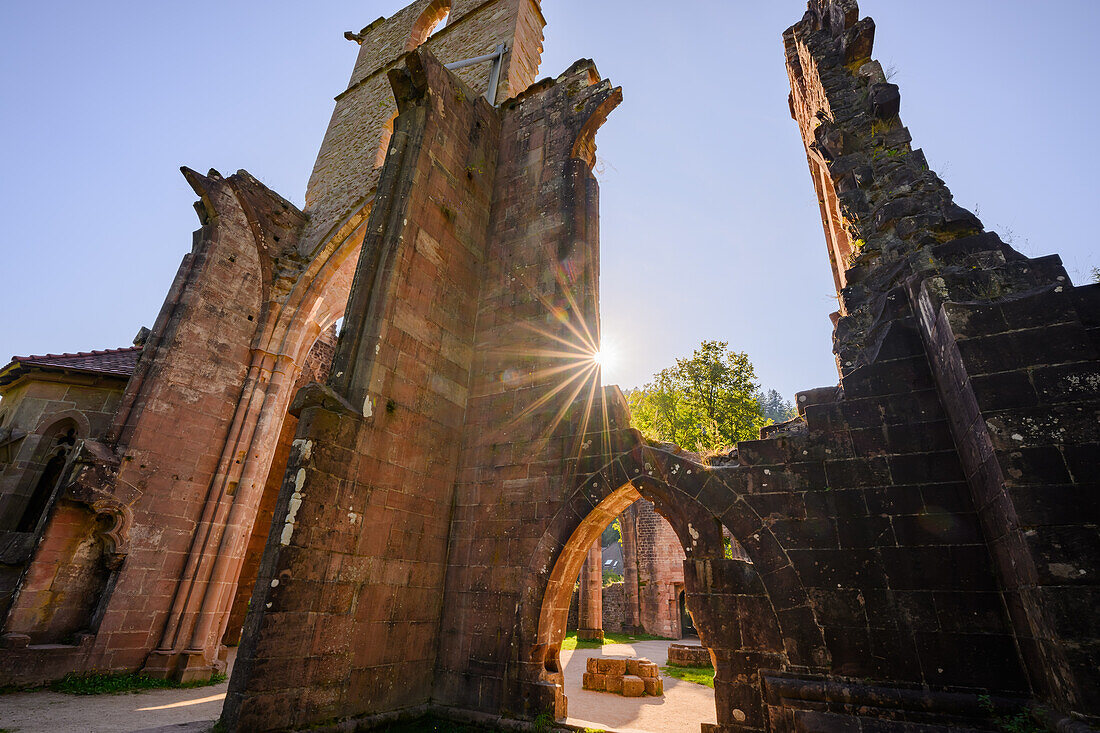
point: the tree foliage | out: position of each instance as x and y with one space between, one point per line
613 533
774 407
706 402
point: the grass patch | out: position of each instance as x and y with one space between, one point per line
99 683
698 675
571 642
610 637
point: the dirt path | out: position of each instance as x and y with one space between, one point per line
54 712
684 706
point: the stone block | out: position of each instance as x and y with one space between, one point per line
590 665
633 686
654 687
648 670
611 665
592 681
614 684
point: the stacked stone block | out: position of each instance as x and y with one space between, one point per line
689 655
626 676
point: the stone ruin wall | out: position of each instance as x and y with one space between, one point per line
422 408
660 572
40 409
259 285
317 366
1008 344
923 535
346 172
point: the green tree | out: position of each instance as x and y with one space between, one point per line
613 533
706 402
774 407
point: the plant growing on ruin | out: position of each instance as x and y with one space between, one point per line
1021 722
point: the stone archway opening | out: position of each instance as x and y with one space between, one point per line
696 707
315 369
736 578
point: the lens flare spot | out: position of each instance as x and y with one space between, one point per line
602 358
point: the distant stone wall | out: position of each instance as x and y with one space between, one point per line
660 572
614 607
689 655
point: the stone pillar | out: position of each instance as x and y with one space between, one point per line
590 609
632 615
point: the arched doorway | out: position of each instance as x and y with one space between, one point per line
679 705
729 597
687 625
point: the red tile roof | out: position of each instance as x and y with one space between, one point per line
115 362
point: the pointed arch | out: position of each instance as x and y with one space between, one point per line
701 503
436 11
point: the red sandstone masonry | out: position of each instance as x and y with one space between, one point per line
316 369
378 485
660 573
435 512
540 286
202 414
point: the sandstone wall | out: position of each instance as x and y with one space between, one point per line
374 482
31 407
536 309
660 572
346 172
316 369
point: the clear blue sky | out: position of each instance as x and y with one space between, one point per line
709 223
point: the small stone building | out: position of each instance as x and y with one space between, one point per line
48 405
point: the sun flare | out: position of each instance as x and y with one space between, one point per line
602 358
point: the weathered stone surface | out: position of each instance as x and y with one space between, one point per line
633 686
927 527
686 655
595 681
612 665
654 687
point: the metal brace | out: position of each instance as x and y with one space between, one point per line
497 57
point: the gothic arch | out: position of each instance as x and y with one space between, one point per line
59 434
51 424
698 501
432 15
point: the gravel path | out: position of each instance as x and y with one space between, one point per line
54 712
